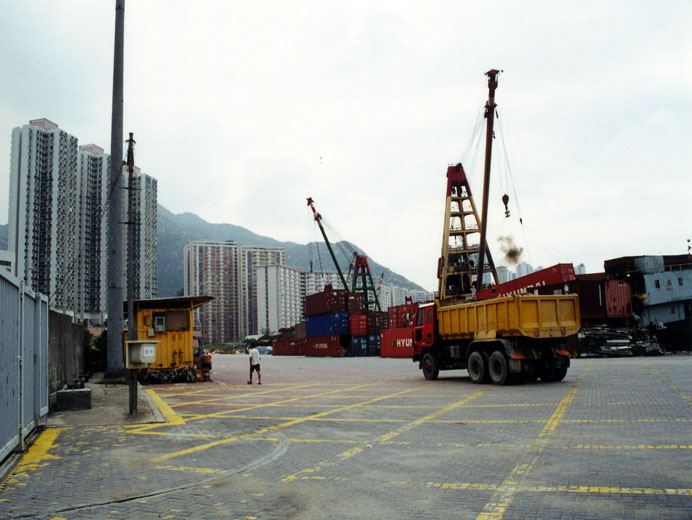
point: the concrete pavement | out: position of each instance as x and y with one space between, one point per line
328 438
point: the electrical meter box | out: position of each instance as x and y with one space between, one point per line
140 353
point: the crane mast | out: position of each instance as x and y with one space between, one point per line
318 219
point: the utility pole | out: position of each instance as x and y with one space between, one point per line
131 226
490 116
114 358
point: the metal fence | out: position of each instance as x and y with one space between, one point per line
23 362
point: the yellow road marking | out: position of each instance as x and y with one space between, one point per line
279 426
193 470
389 436
167 411
609 490
502 498
36 457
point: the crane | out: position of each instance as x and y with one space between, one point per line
362 278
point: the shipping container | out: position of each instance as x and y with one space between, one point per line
325 324
374 351
397 343
600 300
354 302
288 347
332 345
359 345
401 316
374 340
327 301
300 330
555 275
358 324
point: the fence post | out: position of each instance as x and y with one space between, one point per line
20 393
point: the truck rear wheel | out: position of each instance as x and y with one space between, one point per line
554 374
477 367
430 367
498 368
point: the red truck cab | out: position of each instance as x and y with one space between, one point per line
424 330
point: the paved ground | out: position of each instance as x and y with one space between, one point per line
370 438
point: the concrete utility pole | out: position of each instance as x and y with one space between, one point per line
115 362
131 227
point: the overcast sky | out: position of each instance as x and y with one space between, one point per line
241 110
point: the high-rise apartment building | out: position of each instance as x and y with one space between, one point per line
93 228
145 230
280 293
43 231
252 257
57 233
227 272
210 269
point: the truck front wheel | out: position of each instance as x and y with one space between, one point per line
430 367
477 367
498 368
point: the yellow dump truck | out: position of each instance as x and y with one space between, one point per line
498 340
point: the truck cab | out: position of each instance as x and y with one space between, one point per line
424 329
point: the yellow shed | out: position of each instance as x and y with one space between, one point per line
169 321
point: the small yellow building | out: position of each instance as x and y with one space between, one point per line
169 322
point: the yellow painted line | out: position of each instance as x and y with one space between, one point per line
350 453
502 498
600 490
37 456
559 412
322 441
192 470
167 411
244 395
578 421
389 436
278 426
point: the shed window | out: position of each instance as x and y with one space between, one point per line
177 320
657 283
680 281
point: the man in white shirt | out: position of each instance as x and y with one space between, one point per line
254 363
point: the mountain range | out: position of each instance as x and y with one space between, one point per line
174 231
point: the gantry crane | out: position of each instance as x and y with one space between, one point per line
362 279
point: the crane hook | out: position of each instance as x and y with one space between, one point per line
505 201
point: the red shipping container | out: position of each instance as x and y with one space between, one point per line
288 347
325 302
555 275
354 302
324 346
396 343
359 324
618 299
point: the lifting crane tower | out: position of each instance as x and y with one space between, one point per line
461 258
362 279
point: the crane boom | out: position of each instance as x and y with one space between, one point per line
318 219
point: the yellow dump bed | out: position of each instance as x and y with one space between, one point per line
527 315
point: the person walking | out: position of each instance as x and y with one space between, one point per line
254 363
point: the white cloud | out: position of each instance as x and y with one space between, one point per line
233 104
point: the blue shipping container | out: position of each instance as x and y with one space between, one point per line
374 340
374 351
327 324
359 345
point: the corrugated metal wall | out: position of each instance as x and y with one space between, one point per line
23 362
